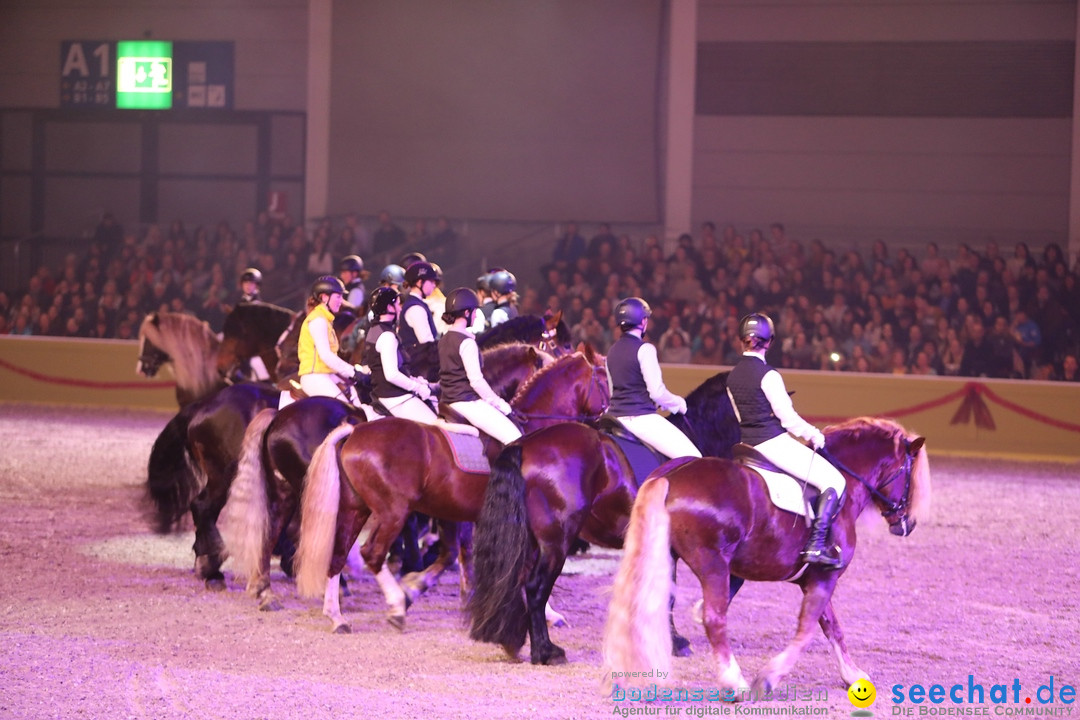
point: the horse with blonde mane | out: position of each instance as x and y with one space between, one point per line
188 345
717 517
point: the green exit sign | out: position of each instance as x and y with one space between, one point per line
144 74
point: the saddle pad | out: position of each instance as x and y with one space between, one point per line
785 492
468 452
642 459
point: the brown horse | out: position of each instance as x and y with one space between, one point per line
560 483
278 447
717 517
189 345
253 330
393 466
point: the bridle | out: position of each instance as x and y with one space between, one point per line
151 358
896 511
594 381
549 343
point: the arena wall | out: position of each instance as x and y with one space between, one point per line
1028 418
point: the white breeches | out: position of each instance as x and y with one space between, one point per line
658 433
800 460
410 407
485 417
326 385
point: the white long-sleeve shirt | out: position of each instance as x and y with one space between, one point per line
772 384
387 347
654 381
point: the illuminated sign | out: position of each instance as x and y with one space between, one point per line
144 74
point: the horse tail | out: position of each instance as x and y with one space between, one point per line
245 520
170 482
318 515
496 607
637 636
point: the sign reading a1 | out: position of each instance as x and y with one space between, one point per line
86 78
144 74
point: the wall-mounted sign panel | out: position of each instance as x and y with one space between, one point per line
86 73
144 74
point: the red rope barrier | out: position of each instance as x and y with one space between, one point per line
96 384
910 410
1039 417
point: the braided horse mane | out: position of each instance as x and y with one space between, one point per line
192 348
855 429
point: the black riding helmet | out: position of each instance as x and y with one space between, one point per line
756 326
326 285
251 275
502 282
351 263
418 272
631 312
410 258
459 301
382 299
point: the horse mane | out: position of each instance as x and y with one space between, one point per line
523 328
190 344
888 429
558 365
510 356
246 316
710 420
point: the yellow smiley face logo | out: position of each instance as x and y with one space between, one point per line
862 693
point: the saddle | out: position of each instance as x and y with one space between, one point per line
786 491
641 458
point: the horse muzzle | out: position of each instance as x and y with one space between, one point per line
902 527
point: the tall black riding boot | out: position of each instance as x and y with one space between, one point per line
816 552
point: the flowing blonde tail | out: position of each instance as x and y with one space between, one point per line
245 523
318 515
637 637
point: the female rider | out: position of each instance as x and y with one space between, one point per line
403 396
320 367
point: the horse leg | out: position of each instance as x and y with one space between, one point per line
465 555
208 546
816 595
716 585
537 592
680 646
332 606
374 553
831 627
264 594
350 522
417 583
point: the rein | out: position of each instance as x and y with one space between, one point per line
892 507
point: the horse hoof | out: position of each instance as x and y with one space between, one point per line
217 584
343 629
680 647
398 621
269 605
512 652
555 656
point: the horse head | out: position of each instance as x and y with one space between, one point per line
151 357
555 338
573 388
888 463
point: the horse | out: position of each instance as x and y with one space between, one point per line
550 488
188 344
386 469
716 516
277 449
253 330
548 332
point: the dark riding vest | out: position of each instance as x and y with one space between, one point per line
406 335
453 380
510 310
487 308
756 418
380 386
629 393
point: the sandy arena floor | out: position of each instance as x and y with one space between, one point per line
99 618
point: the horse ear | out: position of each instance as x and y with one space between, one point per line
531 354
590 355
155 319
552 319
915 446
580 348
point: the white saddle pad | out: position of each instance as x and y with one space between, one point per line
786 492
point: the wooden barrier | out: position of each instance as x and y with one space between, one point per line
961 415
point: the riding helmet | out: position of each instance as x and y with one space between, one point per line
327 285
351 263
251 275
756 325
392 275
382 299
461 299
631 312
413 257
419 272
438 272
503 282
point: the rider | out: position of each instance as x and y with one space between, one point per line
770 424
352 274
392 276
403 396
320 366
416 326
503 284
637 386
436 301
487 305
250 284
460 371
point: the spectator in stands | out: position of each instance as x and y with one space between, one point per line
389 237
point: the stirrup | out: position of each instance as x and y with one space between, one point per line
819 556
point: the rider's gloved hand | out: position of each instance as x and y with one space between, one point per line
501 405
818 440
421 389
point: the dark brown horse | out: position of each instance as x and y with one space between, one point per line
253 330
546 490
716 516
188 345
278 447
388 468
